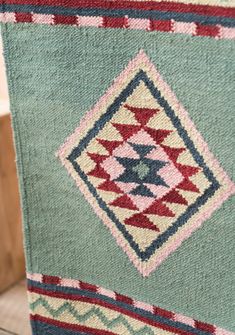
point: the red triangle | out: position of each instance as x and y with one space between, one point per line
187 185
142 115
173 153
160 209
186 170
126 130
124 202
175 198
158 134
99 172
140 221
96 157
109 145
110 186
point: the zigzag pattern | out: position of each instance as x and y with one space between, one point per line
45 291
109 324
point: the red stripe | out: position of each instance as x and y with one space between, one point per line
163 312
86 286
161 25
50 279
105 304
143 5
23 17
70 326
205 327
114 22
124 298
62 19
204 30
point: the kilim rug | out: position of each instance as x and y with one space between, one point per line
123 115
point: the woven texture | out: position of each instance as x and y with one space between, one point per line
123 115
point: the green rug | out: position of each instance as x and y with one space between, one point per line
123 116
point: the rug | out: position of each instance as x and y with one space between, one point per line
123 118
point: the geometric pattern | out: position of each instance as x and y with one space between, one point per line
215 19
146 171
72 307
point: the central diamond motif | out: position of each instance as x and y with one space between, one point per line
143 166
141 169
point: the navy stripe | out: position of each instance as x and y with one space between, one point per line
121 304
192 209
39 327
149 14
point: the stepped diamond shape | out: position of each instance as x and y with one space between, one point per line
145 169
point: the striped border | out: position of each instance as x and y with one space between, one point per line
161 5
71 289
172 17
170 26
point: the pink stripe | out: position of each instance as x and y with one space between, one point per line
35 276
220 331
184 319
7 17
43 19
184 27
227 33
90 21
142 24
107 293
70 283
143 305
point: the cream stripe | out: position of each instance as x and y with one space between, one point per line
82 308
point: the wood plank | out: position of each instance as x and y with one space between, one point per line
5 332
14 311
11 247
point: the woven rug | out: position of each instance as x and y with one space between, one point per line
123 117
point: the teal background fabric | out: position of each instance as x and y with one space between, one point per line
52 84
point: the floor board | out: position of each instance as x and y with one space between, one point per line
4 332
14 313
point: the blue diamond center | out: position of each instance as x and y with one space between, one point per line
142 170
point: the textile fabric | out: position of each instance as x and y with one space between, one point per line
123 117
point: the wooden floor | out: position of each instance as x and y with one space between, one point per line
14 314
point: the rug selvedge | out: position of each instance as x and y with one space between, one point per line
70 306
196 18
145 169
